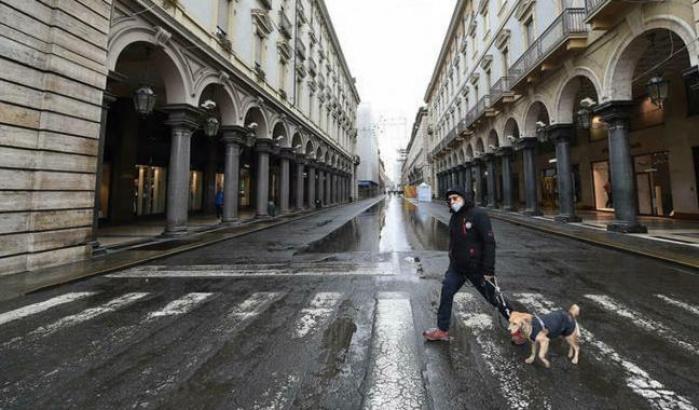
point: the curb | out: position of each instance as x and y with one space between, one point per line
165 254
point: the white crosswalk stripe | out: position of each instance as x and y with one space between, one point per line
515 391
395 379
641 321
232 271
42 306
81 317
318 310
181 306
678 303
638 380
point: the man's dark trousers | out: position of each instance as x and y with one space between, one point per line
451 284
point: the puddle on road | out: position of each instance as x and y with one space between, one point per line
392 225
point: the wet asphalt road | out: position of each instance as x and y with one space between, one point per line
327 313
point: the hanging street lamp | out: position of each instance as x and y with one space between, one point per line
211 126
657 89
144 100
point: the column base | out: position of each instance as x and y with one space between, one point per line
230 222
261 217
627 227
567 219
532 213
508 208
174 232
97 249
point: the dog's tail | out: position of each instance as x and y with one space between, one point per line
574 310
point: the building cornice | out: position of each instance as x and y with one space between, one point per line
336 42
453 25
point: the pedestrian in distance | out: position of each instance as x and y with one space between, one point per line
471 258
218 202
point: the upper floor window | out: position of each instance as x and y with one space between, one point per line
529 36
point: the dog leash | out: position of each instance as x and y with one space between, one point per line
501 300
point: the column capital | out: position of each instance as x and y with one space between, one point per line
287 153
525 143
234 135
488 156
264 145
300 159
561 132
183 116
505 151
614 111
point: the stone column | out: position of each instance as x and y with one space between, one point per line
562 135
505 155
210 187
233 139
490 181
263 147
468 180
528 147
286 155
336 188
476 172
300 161
183 120
328 186
616 114
311 185
321 185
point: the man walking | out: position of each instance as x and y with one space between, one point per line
471 257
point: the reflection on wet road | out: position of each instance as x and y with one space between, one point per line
326 313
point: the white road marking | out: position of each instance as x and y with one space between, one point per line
648 325
42 306
159 274
395 379
81 317
181 306
638 380
678 303
319 309
515 391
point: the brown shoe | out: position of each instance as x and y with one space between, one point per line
435 335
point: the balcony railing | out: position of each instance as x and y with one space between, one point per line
499 89
570 22
483 104
591 6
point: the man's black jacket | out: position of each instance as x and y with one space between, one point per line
471 242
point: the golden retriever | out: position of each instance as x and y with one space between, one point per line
546 327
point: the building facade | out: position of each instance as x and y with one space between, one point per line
368 178
564 105
416 168
117 112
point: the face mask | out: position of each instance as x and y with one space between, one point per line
456 206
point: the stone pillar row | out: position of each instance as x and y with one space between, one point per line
616 114
183 120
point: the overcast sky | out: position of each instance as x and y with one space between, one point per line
391 47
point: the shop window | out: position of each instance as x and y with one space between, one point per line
646 114
196 190
150 188
653 185
602 186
